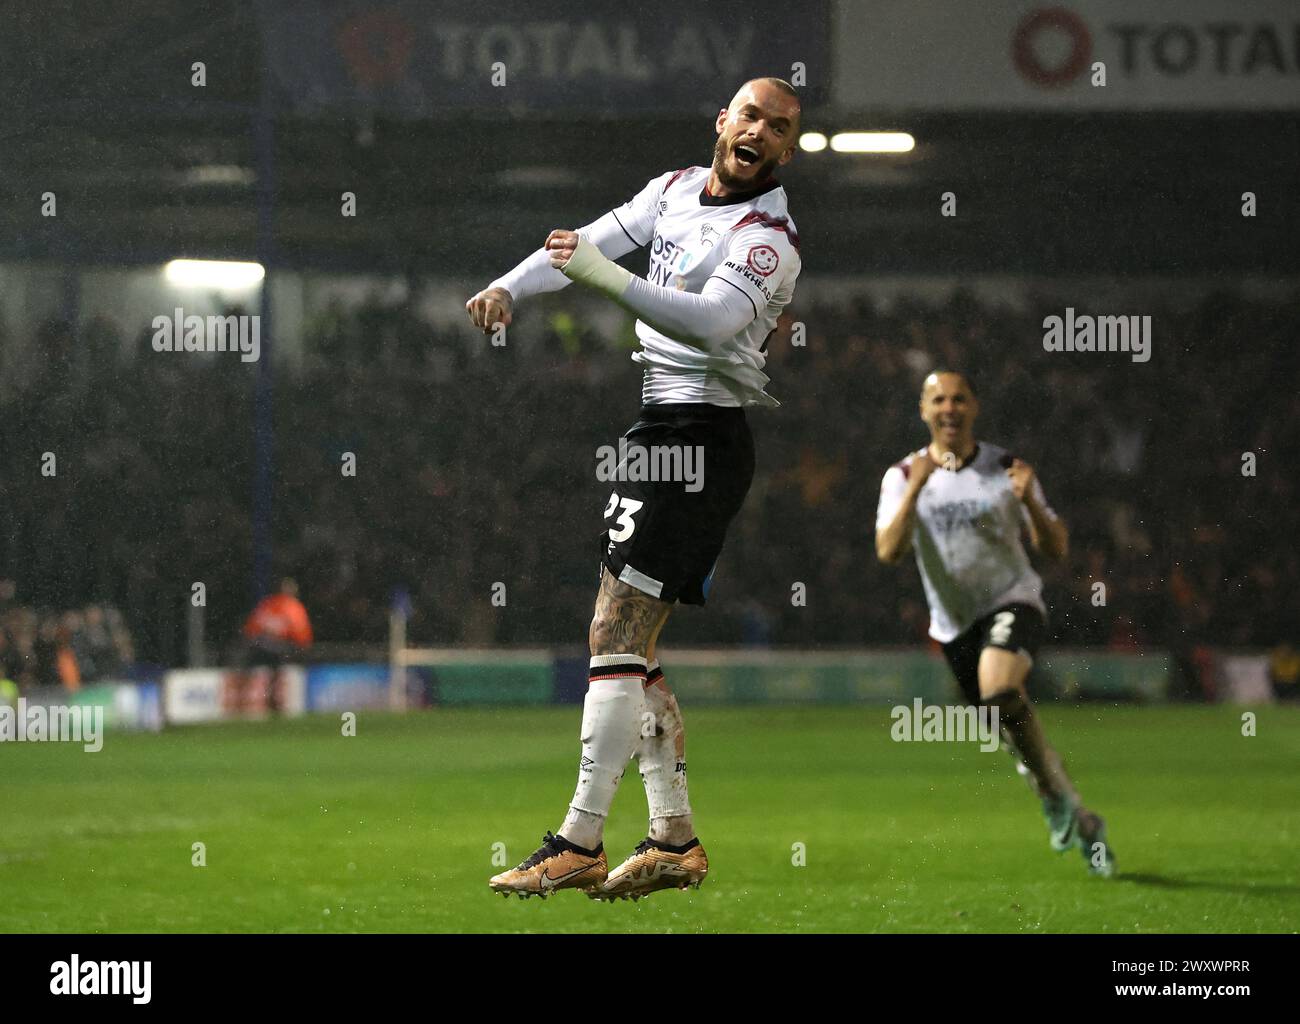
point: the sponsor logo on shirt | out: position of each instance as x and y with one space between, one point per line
959 515
668 261
751 275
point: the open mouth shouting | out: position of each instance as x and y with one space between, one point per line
746 154
742 161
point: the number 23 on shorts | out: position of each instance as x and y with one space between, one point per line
629 507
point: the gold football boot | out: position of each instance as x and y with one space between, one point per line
654 866
557 864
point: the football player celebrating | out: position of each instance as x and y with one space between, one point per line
724 257
962 504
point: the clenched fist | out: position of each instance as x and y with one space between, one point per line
1021 475
561 245
490 307
921 468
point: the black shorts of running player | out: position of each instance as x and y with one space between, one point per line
664 536
1013 627
262 652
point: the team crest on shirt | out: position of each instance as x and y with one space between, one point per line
708 236
763 258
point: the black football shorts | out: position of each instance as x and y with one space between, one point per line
1014 627
663 534
262 652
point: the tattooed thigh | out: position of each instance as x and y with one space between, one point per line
626 621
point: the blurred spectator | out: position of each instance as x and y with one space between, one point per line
69 648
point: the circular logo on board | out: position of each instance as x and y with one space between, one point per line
1046 22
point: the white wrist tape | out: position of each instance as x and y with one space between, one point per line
589 266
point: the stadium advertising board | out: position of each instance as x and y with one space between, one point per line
1193 55
1242 678
347 687
126 705
507 680
192 695
1100 675
799 678
211 694
414 60
119 704
888 677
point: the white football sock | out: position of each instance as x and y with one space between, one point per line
662 759
611 729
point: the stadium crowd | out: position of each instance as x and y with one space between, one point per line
475 465
40 647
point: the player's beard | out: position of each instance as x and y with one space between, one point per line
721 150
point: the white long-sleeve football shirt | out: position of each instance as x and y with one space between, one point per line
721 270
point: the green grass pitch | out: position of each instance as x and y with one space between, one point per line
307 830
